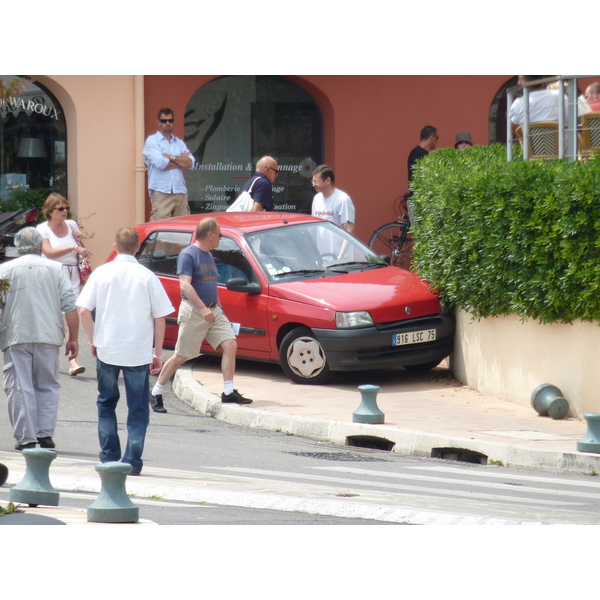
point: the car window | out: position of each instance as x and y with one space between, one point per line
309 250
230 261
160 250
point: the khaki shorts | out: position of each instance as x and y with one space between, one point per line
168 205
193 329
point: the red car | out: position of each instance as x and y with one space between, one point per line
307 295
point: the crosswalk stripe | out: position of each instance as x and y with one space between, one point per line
500 475
395 486
463 482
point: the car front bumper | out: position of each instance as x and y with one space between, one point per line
371 347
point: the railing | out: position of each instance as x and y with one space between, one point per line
567 132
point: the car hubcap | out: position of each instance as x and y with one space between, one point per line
305 357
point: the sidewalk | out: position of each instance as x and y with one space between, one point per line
423 411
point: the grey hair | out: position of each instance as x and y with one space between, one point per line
29 241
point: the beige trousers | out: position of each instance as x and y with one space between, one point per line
168 205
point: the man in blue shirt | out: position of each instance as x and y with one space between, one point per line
200 315
262 191
166 156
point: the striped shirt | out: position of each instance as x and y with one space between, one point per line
127 297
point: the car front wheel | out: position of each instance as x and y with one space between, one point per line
302 357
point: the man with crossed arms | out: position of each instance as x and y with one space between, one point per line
166 156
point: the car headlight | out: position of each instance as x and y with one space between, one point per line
349 320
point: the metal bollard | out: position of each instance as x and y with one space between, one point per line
368 411
590 442
113 504
35 487
547 399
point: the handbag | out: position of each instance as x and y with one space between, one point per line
244 202
85 269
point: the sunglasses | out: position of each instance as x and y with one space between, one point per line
62 208
167 120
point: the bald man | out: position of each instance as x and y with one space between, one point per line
262 184
592 95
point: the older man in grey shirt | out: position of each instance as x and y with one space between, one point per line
31 334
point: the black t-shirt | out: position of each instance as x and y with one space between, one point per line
413 157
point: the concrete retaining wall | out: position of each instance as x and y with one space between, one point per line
508 358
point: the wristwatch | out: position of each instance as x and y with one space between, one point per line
173 157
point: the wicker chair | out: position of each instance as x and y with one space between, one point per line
589 134
543 139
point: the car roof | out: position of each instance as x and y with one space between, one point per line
244 221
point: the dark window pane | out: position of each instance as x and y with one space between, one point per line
233 121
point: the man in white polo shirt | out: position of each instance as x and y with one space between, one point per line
131 305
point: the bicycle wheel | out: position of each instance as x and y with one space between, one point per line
393 241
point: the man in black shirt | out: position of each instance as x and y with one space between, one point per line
429 138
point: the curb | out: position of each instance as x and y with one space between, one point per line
415 443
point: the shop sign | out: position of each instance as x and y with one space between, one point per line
35 105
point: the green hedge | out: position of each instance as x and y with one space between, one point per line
520 237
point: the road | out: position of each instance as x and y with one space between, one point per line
228 474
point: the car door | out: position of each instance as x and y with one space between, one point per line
247 310
159 252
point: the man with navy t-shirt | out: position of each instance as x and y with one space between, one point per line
200 315
262 191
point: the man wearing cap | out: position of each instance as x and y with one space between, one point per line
463 140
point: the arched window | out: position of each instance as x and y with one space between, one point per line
498 110
33 139
233 121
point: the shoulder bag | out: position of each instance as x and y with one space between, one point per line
244 202
85 269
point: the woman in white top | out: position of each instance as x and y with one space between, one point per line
60 245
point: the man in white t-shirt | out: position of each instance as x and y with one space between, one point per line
543 104
131 305
332 204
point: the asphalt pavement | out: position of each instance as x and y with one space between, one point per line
425 414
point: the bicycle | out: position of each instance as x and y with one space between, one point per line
394 239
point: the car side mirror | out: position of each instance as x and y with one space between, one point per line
385 258
239 284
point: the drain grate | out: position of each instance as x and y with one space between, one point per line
342 456
370 441
460 454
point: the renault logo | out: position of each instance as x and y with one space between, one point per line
407 310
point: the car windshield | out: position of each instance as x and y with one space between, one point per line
310 250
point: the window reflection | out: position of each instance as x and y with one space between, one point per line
306 249
33 153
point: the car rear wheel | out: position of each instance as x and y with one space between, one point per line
302 357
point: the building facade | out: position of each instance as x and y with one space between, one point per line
83 135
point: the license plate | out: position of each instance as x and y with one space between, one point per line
414 337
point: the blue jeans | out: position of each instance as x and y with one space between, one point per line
137 390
